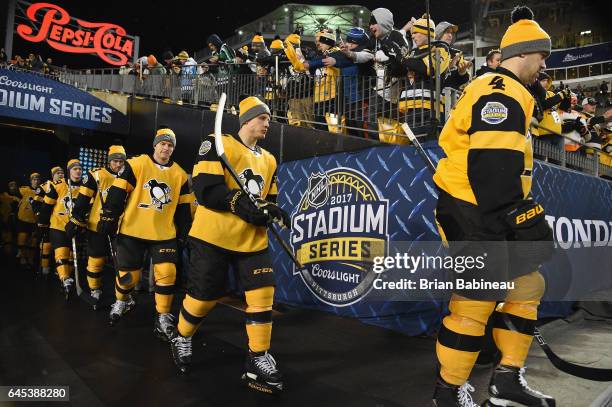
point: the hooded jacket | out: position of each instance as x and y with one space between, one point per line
391 41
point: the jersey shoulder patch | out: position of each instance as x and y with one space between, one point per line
494 112
205 147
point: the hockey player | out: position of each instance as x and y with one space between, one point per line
8 208
57 173
54 216
484 188
26 242
86 214
229 229
152 195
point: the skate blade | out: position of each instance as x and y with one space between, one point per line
262 387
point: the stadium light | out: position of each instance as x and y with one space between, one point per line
587 32
360 11
286 9
240 32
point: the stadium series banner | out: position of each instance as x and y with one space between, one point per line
347 209
589 54
33 97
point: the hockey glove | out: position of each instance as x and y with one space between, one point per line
576 124
275 213
75 227
528 224
107 225
241 206
565 94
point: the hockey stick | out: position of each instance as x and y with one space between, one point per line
223 157
79 290
589 373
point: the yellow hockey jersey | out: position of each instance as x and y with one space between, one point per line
257 168
487 142
96 184
154 193
25 213
57 197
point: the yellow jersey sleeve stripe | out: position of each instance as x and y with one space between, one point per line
185 199
508 140
50 201
121 183
86 191
208 167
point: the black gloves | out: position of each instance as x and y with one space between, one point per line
241 206
107 225
75 227
576 124
275 213
528 224
261 215
565 93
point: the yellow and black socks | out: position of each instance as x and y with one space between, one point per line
259 318
192 313
460 338
165 277
63 262
125 283
515 319
94 272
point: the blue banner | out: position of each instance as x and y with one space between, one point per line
347 207
33 97
590 54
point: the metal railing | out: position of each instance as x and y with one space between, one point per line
362 106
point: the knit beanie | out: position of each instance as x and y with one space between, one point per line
327 37
116 153
164 134
250 108
258 39
276 44
74 163
524 36
357 35
421 26
54 170
294 39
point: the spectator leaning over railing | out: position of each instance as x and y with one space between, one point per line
154 67
168 57
258 46
457 75
546 112
491 62
299 87
419 91
573 126
222 55
357 112
243 62
595 124
382 50
327 80
188 73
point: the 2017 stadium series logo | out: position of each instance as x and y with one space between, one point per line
340 225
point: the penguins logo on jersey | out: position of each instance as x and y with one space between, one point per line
159 193
67 206
254 182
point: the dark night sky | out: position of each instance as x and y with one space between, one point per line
176 25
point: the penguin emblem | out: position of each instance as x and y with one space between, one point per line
159 193
254 182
